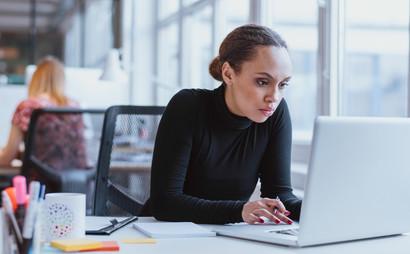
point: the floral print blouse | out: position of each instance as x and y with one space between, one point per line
59 138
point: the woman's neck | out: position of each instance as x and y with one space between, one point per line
230 102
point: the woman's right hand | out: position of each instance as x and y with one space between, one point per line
272 209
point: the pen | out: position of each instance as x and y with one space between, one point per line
31 210
286 213
115 225
19 183
276 210
37 234
9 211
42 193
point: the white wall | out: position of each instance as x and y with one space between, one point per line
84 86
10 96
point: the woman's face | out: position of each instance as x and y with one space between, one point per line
257 89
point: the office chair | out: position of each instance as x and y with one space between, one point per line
61 149
124 163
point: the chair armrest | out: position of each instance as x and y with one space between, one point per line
45 170
67 180
123 200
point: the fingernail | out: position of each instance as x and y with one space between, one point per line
290 222
277 221
287 213
261 221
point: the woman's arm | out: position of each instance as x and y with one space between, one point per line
171 159
9 152
275 167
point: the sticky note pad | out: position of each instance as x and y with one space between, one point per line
106 246
139 240
76 244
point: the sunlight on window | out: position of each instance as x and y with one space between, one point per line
376 60
188 2
167 63
167 7
233 13
298 26
197 52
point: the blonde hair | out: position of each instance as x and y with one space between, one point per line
49 79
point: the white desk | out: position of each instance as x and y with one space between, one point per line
219 244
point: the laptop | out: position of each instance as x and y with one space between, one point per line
358 185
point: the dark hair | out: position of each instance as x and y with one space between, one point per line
240 46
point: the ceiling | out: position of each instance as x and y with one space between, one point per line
15 14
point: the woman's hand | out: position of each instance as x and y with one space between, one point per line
272 209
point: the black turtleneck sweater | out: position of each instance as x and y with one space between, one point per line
207 160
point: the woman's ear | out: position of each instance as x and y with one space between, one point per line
227 73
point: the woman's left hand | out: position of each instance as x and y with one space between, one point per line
273 209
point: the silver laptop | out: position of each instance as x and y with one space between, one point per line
358 185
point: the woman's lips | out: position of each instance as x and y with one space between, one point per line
267 112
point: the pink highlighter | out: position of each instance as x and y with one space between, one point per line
19 184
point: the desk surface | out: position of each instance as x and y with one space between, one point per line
219 244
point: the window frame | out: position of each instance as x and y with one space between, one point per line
330 59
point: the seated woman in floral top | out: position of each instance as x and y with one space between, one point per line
46 90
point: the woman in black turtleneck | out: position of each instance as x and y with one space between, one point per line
212 146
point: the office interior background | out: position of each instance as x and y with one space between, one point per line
350 57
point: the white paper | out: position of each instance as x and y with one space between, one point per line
173 230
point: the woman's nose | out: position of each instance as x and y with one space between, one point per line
274 95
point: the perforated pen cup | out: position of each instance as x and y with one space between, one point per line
63 216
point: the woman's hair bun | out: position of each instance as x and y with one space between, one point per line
215 69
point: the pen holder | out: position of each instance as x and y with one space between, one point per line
12 240
63 216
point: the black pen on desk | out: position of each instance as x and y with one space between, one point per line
19 183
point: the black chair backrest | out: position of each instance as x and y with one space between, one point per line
61 149
124 163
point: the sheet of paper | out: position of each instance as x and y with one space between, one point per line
173 229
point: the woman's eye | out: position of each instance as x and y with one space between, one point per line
283 85
262 82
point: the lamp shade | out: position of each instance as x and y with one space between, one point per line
112 69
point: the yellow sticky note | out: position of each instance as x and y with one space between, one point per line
139 240
76 244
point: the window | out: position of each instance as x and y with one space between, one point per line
167 62
188 2
167 8
197 48
187 41
368 75
360 68
98 37
376 58
298 26
232 13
